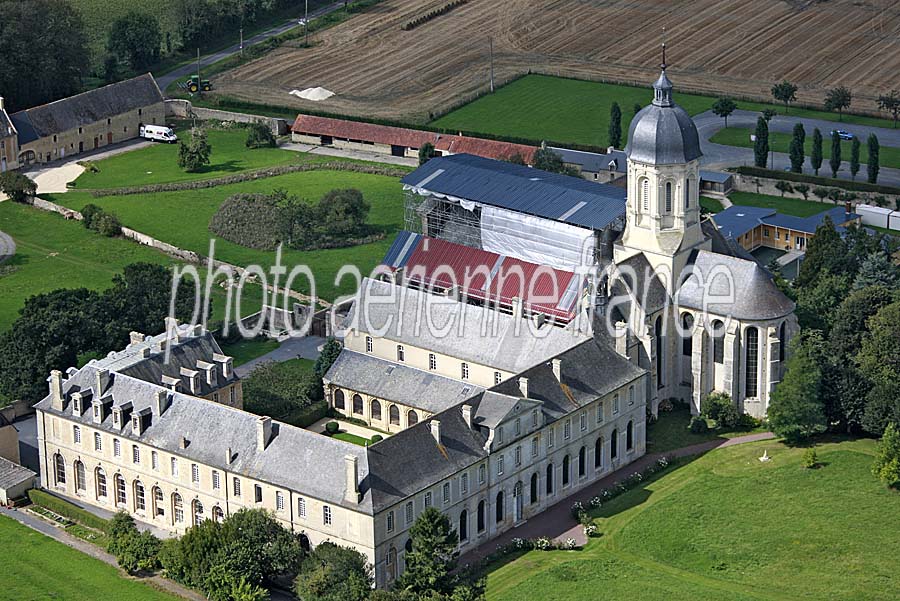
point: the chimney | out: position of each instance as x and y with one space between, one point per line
197 330
101 381
56 390
399 276
171 325
263 432
557 368
516 306
2 104
622 339
848 206
467 415
352 465
161 403
185 442
436 430
229 456
523 386
145 352
136 337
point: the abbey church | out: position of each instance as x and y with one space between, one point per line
509 352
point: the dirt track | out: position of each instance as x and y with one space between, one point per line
738 46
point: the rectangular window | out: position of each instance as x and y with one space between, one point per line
534 418
551 434
428 499
518 426
236 486
615 403
778 234
500 465
232 392
369 344
518 456
464 369
117 447
215 480
432 361
630 396
301 507
446 493
599 413
158 501
326 515
481 473
567 429
535 443
135 454
401 354
583 419
765 232
174 467
464 484
390 521
98 442
279 500
195 473
139 501
497 378
499 434
409 513
96 412
257 493
76 434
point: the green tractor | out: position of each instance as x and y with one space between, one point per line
195 84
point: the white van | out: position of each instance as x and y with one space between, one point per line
160 133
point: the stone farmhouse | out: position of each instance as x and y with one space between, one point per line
84 122
9 145
494 403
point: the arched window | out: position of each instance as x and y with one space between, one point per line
59 470
660 346
645 194
549 482
304 544
752 388
158 508
480 516
499 516
357 404
614 442
177 508
629 436
687 341
121 497
100 479
565 471
408 546
782 341
339 399
80 484
140 503
217 514
598 453
687 193
412 418
376 410
582 462
718 340
464 525
198 512
668 197
391 561
394 415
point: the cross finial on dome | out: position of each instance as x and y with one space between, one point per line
663 64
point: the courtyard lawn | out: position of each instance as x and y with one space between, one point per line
670 431
158 164
353 438
39 568
542 107
789 206
246 350
711 204
888 156
182 219
727 526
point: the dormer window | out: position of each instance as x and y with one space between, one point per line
76 404
117 418
136 422
97 414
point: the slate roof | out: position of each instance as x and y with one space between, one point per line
663 133
86 108
478 334
397 382
737 220
563 198
7 129
642 281
593 162
294 458
13 474
744 289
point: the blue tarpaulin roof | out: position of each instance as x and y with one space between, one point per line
518 188
737 220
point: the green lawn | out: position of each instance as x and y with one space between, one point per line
39 568
246 350
671 431
347 437
539 107
780 142
727 526
789 206
182 218
711 204
158 164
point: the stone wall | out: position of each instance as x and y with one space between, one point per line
747 183
183 109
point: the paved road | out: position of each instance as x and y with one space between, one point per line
7 247
306 347
719 156
190 69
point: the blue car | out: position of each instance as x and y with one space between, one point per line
843 135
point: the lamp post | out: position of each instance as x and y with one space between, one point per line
306 23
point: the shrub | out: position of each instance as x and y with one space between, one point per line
590 530
698 425
139 552
259 135
577 510
66 509
666 406
18 187
277 390
810 458
89 212
720 407
332 428
377 438
814 179
887 458
108 225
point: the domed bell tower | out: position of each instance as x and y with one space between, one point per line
663 209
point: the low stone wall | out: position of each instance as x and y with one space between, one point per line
16 409
183 109
747 183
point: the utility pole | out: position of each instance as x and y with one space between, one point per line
491 43
242 40
306 23
199 86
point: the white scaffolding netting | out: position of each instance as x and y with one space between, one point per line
535 239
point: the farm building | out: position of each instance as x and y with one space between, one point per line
9 155
15 480
879 217
87 121
753 227
398 141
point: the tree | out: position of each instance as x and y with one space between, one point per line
18 187
887 459
854 157
615 125
433 555
259 135
835 160
426 151
815 157
838 99
723 107
783 186
795 410
785 92
111 69
803 189
796 149
761 145
879 362
343 211
135 38
327 357
769 114
275 389
258 548
820 193
826 253
816 303
45 49
890 102
334 573
194 154
873 164
546 159
876 270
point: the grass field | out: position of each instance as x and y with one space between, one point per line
39 568
352 438
780 142
158 164
726 526
789 206
246 350
182 218
671 431
711 204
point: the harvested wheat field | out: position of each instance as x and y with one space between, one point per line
739 47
